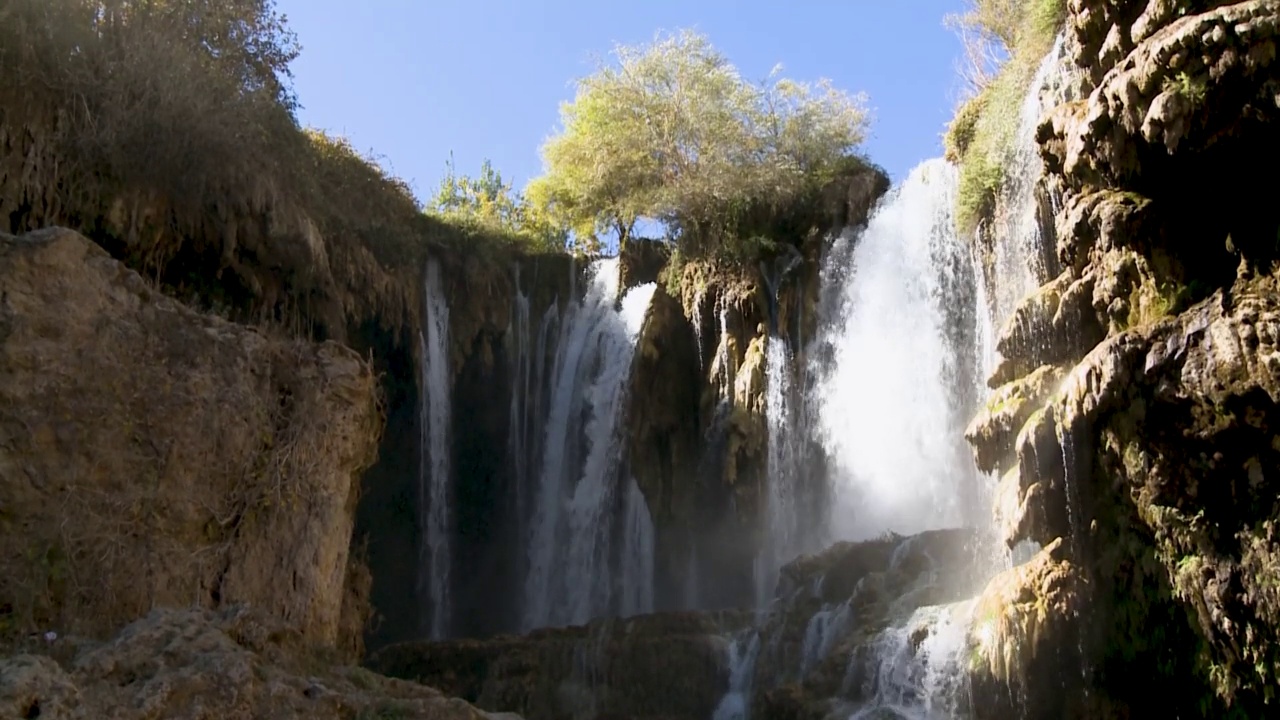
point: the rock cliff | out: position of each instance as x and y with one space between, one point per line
1134 423
154 456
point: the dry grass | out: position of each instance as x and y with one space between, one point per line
1005 41
201 179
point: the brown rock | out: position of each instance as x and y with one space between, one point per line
154 456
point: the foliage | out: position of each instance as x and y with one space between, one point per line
672 132
164 130
1005 41
489 202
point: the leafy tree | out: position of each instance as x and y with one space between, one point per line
489 201
672 132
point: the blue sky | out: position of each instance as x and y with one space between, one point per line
412 80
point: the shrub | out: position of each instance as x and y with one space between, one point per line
1013 36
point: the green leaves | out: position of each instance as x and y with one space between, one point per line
489 202
671 131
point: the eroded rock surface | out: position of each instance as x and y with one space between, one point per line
154 456
191 664
1143 467
655 666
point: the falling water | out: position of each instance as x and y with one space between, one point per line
433 474
914 669
580 492
744 648
637 554
781 519
527 414
887 407
1022 253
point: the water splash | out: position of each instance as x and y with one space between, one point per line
824 629
434 553
914 669
580 494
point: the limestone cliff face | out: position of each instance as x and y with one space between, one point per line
1136 417
155 456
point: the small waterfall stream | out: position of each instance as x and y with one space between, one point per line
583 504
434 501
782 521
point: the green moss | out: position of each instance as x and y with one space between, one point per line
1149 301
1194 90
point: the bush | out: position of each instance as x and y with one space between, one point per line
1016 34
165 130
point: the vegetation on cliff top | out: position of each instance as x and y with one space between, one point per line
1005 41
488 204
165 130
672 132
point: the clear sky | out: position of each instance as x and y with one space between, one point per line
412 80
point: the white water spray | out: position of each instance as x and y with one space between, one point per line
743 650
782 523
887 406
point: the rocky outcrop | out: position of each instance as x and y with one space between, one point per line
1137 403
154 456
1019 624
842 614
200 664
655 666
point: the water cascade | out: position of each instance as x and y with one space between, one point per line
743 650
886 402
433 476
782 522
908 320
583 502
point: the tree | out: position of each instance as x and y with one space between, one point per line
489 201
672 132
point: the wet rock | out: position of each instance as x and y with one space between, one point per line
1155 102
1025 658
667 665
1052 326
992 432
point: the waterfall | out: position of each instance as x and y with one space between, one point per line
916 669
637 554
886 402
528 412
434 554
782 522
1022 253
580 491
744 648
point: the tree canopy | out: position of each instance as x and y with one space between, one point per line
489 202
671 131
